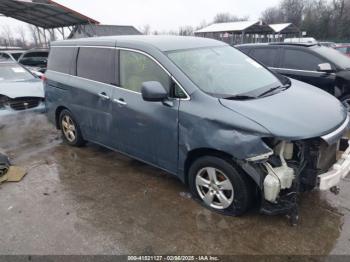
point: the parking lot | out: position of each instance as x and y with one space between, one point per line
91 200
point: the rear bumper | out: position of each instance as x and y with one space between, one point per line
337 172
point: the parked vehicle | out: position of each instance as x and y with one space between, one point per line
317 65
203 111
309 40
345 49
20 91
11 54
35 59
328 44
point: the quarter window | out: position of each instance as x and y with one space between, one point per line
300 60
266 56
136 68
97 64
61 59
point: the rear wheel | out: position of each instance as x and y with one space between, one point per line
219 186
70 129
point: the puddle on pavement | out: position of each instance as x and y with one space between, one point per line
135 208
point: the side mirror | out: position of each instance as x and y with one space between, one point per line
325 67
153 91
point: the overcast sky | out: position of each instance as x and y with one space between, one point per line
160 14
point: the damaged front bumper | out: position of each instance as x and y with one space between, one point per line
338 171
8 112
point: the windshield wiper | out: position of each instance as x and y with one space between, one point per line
283 87
240 97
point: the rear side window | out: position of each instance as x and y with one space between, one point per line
136 68
266 56
61 59
97 64
300 60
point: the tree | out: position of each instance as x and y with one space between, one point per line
272 15
186 30
322 19
292 11
7 35
52 34
22 35
341 18
227 17
34 34
317 19
146 29
201 25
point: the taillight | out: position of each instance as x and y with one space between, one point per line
43 77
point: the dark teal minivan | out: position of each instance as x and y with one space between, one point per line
224 124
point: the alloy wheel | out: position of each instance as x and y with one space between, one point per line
214 188
68 128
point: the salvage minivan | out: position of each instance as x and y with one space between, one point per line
227 126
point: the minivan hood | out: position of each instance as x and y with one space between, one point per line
32 88
300 112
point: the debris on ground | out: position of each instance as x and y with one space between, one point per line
4 167
10 173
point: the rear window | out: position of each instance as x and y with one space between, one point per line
14 72
266 56
97 64
61 59
36 54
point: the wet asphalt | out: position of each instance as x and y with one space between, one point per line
92 200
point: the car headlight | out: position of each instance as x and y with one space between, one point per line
261 157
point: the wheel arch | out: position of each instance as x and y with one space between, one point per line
195 154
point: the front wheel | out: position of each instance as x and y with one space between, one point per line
219 186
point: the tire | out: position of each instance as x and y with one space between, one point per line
70 129
241 198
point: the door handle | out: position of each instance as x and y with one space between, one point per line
120 101
103 95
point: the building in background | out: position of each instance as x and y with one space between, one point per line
92 30
283 31
248 32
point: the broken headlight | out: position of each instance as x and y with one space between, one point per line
3 101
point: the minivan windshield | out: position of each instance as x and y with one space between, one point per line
224 71
335 56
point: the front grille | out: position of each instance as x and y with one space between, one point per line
24 103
